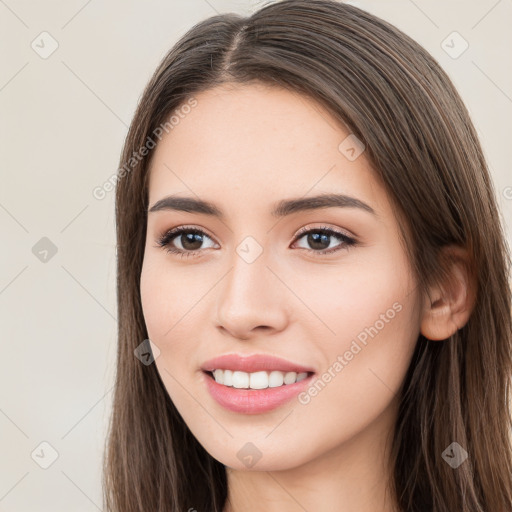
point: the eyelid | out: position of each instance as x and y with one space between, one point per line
168 234
323 227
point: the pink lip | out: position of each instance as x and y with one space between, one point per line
253 401
253 363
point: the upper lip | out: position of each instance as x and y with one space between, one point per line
253 363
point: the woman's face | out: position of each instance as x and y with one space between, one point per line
252 282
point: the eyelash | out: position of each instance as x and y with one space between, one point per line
165 240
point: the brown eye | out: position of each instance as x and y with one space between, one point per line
189 241
184 241
319 240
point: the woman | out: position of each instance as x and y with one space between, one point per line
313 298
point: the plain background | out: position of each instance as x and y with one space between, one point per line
63 122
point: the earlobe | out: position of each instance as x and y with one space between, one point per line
448 306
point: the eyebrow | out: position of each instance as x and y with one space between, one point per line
281 208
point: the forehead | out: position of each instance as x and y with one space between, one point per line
254 143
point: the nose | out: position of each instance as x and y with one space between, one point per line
252 300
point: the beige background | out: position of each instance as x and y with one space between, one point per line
63 120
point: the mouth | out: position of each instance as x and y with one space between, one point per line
255 393
256 383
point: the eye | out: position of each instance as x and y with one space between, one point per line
320 239
189 241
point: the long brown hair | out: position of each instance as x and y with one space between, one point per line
388 91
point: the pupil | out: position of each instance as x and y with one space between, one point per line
191 238
318 238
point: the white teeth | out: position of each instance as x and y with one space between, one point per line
275 379
228 378
240 379
290 377
257 380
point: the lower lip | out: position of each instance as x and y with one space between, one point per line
254 401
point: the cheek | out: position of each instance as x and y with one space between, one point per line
168 301
172 312
371 291
164 313
372 313
166 296
154 300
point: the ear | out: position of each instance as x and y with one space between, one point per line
448 306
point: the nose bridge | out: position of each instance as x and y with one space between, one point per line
244 283
250 295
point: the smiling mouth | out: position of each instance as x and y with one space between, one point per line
256 381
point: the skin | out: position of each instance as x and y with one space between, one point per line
244 148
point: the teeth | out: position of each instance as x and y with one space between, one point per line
257 380
228 377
